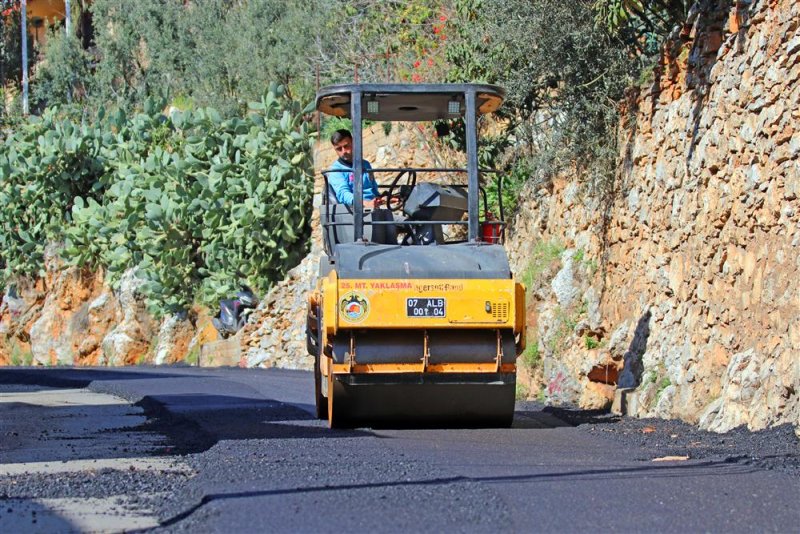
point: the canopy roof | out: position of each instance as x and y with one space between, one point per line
408 102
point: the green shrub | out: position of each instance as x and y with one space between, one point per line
541 396
544 254
565 319
564 76
197 203
64 75
331 124
193 358
650 378
531 357
20 356
564 324
664 384
44 164
513 180
590 264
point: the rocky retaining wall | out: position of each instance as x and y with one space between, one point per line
686 289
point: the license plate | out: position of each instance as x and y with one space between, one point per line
425 307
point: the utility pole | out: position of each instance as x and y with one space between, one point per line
68 17
68 29
24 25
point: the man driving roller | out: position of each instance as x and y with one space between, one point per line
341 183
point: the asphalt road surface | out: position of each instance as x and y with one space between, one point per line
230 450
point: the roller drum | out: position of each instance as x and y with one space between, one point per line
470 400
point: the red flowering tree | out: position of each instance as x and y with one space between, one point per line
392 41
9 8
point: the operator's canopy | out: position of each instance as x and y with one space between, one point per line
408 102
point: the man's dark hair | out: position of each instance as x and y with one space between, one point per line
340 135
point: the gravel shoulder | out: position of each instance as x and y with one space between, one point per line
776 448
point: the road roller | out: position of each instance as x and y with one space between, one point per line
416 318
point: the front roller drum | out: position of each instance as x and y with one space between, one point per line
469 400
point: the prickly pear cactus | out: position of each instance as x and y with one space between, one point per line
196 202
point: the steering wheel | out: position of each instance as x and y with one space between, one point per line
396 203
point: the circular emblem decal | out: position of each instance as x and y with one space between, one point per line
354 307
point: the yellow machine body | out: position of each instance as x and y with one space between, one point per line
383 303
366 318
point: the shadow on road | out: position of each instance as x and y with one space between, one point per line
700 469
28 515
534 414
575 416
71 378
193 421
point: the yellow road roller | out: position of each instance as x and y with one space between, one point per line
416 317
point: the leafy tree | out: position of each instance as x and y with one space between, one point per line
564 76
200 53
65 74
141 47
643 24
10 54
238 49
10 60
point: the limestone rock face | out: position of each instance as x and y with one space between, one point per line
19 309
276 336
177 338
76 313
72 317
690 286
563 284
128 342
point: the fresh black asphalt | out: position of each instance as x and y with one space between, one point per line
261 462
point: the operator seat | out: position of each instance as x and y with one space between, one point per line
342 216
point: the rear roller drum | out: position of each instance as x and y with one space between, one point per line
333 421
